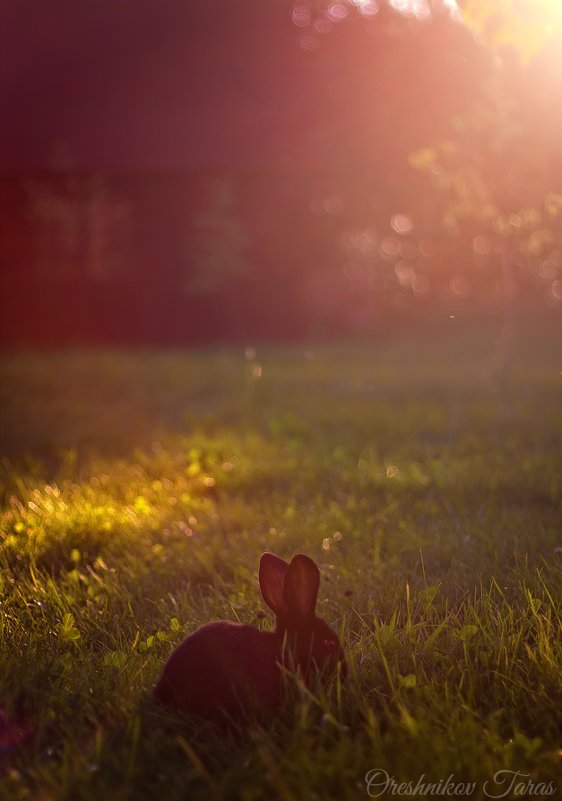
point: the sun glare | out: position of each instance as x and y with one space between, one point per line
522 24
416 8
525 17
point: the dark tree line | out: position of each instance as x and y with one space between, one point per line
420 168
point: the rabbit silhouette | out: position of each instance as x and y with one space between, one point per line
226 669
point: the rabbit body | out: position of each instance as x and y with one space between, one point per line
227 669
220 669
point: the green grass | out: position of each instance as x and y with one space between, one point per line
138 491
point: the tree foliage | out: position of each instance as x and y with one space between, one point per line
492 175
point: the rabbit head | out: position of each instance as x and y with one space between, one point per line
291 590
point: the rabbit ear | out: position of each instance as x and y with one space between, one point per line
272 574
301 586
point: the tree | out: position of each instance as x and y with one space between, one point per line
493 173
493 185
218 247
80 222
493 176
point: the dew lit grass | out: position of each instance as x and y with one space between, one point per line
138 491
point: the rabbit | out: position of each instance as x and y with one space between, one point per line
226 670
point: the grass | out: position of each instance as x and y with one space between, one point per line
138 491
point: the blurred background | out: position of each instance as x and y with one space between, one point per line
196 171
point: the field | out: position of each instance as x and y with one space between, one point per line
138 491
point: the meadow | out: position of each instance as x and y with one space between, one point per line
139 489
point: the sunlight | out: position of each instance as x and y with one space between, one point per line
368 8
507 20
416 8
522 24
